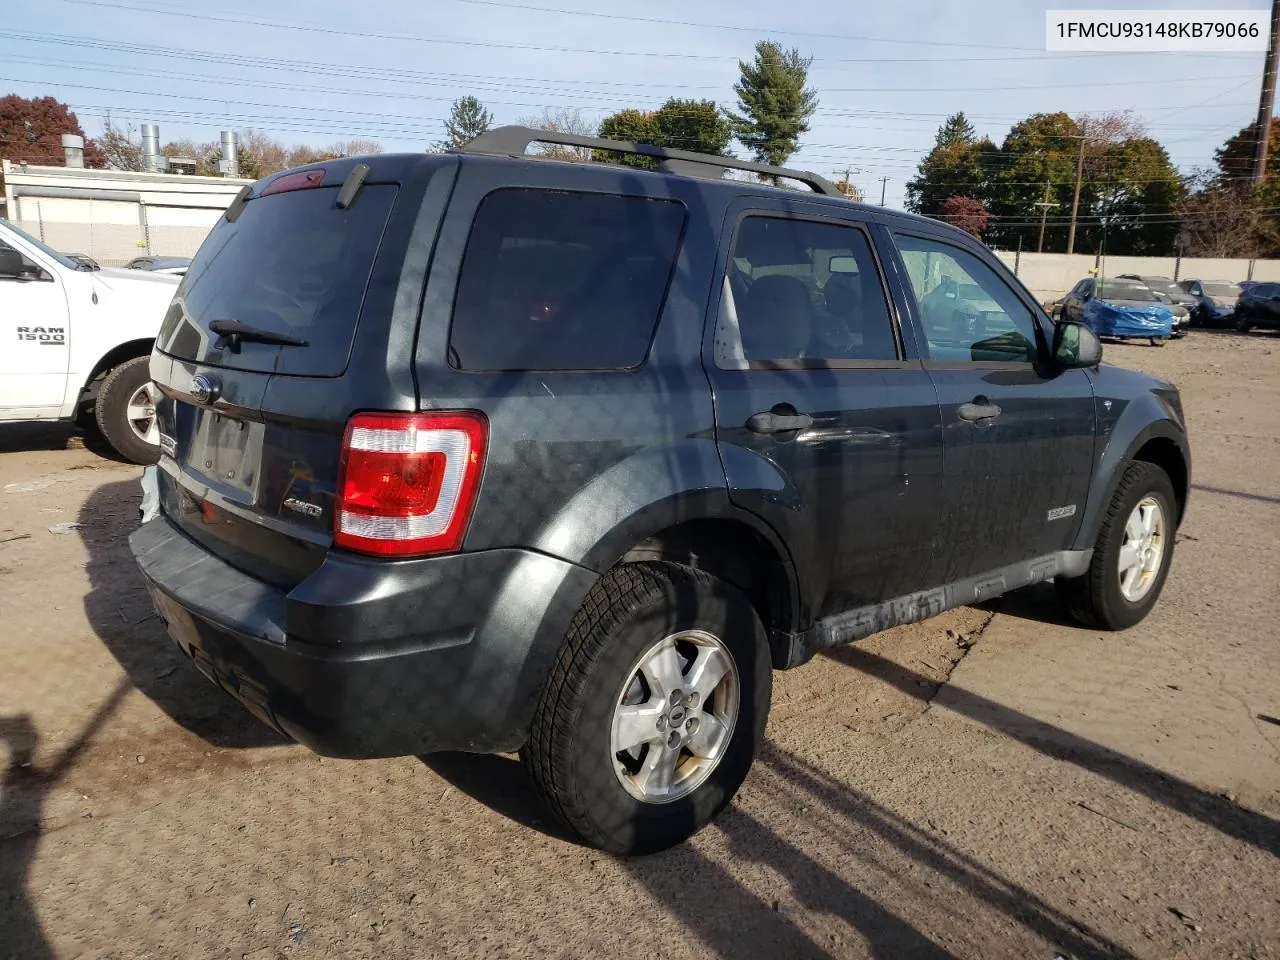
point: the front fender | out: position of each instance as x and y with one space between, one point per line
1123 430
645 494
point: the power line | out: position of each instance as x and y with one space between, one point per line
410 119
434 78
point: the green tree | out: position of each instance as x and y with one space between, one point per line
468 119
1235 157
1136 191
631 126
956 166
1230 188
1037 151
956 129
695 125
773 102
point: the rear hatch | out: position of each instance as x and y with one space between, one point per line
260 366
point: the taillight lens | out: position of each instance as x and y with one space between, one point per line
407 482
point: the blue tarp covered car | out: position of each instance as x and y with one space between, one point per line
1127 309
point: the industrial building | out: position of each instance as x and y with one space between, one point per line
116 215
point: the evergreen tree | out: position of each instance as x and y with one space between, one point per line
468 119
773 102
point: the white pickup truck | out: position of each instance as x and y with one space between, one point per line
77 343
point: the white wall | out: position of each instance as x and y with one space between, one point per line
1050 275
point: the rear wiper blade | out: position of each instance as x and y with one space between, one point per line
234 332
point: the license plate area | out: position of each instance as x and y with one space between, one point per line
226 453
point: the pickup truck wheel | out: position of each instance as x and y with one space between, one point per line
126 414
654 708
1132 555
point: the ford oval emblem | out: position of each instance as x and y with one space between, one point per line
202 389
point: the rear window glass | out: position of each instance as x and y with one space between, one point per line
563 281
291 264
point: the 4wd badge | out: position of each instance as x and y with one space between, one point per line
1061 513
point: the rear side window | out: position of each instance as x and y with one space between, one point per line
556 280
293 264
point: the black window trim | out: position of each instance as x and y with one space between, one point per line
811 363
451 354
1035 311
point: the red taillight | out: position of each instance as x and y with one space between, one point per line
294 181
407 482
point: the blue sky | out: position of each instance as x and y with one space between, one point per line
886 73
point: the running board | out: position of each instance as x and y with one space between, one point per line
851 625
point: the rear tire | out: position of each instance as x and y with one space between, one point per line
125 395
1129 565
600 683
1243 325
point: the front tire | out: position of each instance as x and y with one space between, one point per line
125 412
654 708
1131 556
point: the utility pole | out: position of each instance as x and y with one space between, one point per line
1075 200
885 180
845 182
1266 99
1045 206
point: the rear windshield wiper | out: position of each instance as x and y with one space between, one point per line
234 331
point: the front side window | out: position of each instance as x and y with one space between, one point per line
968 312
559 280
801 290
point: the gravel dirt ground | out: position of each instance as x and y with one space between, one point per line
991 783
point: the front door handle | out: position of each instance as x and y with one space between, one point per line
776 421
978 410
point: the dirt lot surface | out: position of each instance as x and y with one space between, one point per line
1045 792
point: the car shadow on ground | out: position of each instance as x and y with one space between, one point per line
1239 494
1177 795
730 920
1038 602
120 612
25 437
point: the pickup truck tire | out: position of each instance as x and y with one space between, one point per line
643 620
1131 556
113 413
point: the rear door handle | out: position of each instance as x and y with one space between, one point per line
978 409
771 422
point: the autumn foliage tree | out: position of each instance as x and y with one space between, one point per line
31 131
966 213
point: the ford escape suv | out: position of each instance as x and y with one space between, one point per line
487 452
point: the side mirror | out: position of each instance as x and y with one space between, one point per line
1075 345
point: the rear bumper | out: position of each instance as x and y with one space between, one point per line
370 658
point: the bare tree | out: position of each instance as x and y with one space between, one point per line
561 120
1115 126
1220 220
122 147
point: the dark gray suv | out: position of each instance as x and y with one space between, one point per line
487 452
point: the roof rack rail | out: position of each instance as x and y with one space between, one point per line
514 142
